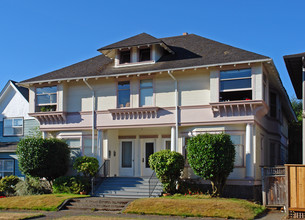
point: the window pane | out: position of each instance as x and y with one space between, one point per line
17 131
146 83
235 74
239 155
8 173
236 139
46 90
235 84
124 98
127 154
167 145
74 142
146 97
123 85
125 57
1 165
18 122
149 150
144 54
8 123
8 165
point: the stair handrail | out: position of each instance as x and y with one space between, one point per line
153 181
105 167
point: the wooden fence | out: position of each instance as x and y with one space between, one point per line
295 183
273 186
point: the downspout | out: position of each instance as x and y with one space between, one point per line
93 113
176 106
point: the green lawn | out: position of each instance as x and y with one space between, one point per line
48 202
197 206
17 216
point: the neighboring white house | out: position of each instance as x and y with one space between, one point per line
145 94
15 123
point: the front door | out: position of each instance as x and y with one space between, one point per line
126 158
149 149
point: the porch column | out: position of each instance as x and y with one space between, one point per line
173 139
100 146
44 134
249 151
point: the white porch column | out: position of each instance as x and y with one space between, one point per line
106 145
173 138
100 146
249 151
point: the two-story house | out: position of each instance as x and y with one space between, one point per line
144 94
15 123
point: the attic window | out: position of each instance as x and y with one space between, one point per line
144 54
125 56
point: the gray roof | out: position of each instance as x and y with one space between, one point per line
294 66
189 50
8 146
138 40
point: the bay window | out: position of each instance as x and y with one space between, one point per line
235 85
13 127
6 167
46 99
146 92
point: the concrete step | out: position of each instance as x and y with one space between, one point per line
113 205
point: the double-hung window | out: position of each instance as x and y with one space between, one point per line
239 150
46 99
13 127
6 167
123 94
235 85
125 56
146 92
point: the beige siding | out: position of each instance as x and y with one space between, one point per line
194 87
257 82
164 91
106 94
214 85
79 97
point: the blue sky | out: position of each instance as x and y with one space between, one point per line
40 36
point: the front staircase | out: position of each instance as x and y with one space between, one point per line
127 187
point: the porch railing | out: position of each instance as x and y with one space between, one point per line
153 181
103 172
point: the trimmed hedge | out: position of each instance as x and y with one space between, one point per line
71 184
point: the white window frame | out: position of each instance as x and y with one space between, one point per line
2 171
237 78
50 93
148 87
13 126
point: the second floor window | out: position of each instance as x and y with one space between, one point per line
146 92
235 85
46 98
123 94
12 126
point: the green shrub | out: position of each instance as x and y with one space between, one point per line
71 184
8 184
168 166
40 157
212 156
86 165
32 186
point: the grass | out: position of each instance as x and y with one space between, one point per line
17 216
48 202
85 217
196 206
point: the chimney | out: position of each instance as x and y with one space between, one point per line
185 33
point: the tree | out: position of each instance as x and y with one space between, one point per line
40 157
168 166
295 134
212 156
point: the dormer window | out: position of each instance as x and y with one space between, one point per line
125 56
144 55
